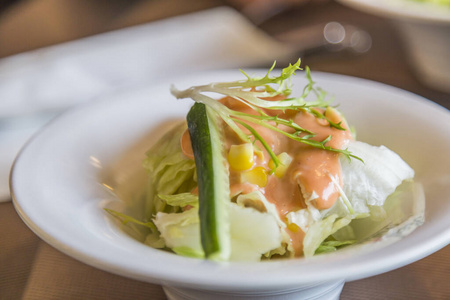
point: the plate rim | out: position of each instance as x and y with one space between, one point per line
418 12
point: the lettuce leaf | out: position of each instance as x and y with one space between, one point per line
170 172
145 232
367 186
257 201
404 203
180 200
332 245
370 183
180 230
321 230
253 233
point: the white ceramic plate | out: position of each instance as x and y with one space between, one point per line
14 132
57 184
424 29
403 9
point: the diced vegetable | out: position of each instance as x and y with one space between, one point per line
241 157
256 176
284 162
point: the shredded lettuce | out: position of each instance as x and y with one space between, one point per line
180 230
397 208
154 240
406 203
363 209
170 172
181 199
252 232
303 218
141 231
257 201
188 252
320 230
332 245
369 184
127 219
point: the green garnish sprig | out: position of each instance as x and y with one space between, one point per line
252 92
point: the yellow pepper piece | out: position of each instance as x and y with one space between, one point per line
241 157
285 160
256 176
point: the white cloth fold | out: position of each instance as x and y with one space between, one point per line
70 73
58 77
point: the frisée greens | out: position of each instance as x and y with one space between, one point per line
259 174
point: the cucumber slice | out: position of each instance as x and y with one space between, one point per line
213 181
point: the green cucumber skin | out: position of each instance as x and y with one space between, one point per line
211 185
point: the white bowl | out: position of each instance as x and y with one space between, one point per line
59 181
425 30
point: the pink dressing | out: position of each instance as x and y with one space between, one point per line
308 177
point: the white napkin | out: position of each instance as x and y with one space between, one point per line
66 74
57 77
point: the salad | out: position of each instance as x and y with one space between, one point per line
256 173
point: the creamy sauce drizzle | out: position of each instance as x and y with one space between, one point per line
308 177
